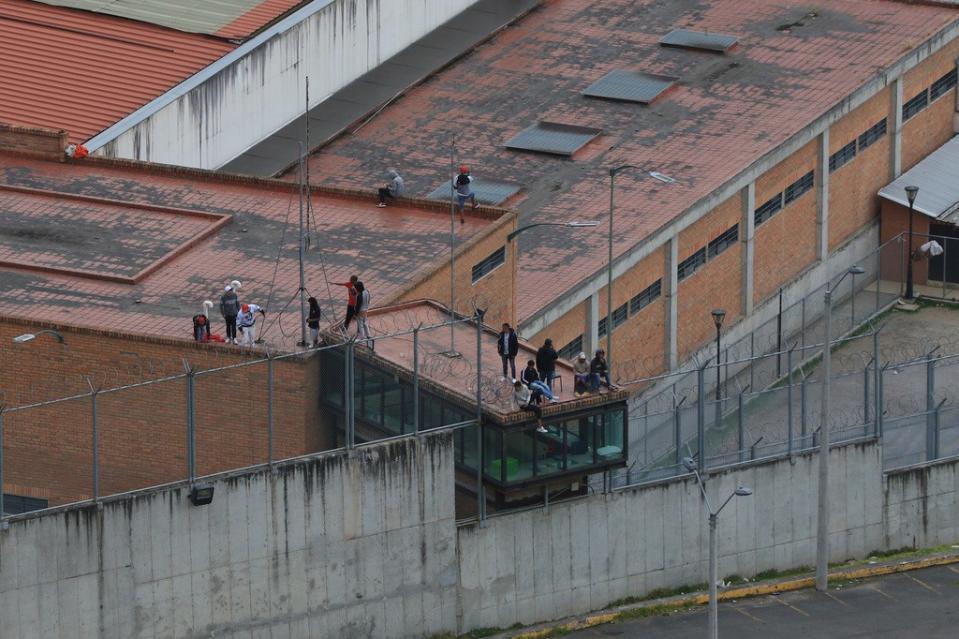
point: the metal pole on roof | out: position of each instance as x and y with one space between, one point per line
480 489
1 463
452 352
302 341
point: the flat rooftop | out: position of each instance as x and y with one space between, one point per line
133 248
81 71
457 375
793 61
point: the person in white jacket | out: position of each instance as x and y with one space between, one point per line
246 323
362 308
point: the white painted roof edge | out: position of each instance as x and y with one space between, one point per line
115 130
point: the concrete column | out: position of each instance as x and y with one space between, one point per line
672 302
895 118
748 236
591 330
822 196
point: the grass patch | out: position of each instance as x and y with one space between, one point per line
772 573
659 593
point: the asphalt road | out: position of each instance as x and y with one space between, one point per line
922 603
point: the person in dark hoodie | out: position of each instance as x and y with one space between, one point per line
229 309
507 345
392 190
313 321
546 362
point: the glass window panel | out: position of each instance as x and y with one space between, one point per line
609 444
331 379
372 397
518 455
469 446
549 451
408 426
579 442
393 408
493 454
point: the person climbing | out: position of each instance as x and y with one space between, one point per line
313 321
392 190
351 299
464 190
246 322
229 309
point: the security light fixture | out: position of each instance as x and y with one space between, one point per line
689 463
719 314
911 193
201 494
28 337
742 491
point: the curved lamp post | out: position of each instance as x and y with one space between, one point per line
29 337
719 314
656 175
741 491
822 524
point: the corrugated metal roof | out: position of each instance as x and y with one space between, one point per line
630 86
80 71
937 177
234 19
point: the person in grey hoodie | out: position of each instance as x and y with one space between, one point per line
229 309
392 190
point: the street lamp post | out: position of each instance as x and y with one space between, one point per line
911 193
741 491
822 524
719 314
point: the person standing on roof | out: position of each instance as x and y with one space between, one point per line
229 309
351 299
392 190
546 358
313 321
507 345
462 183
246 321
362 307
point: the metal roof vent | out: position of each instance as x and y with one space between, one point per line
549 137
629 86
685 39
486 191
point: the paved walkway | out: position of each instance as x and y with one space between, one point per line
924 603
380 86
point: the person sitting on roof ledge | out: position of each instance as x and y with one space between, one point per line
531 377
526 400
581 374
392 190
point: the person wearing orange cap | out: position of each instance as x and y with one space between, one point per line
461 183
246 322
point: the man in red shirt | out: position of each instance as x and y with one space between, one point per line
351 301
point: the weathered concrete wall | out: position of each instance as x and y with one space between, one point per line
581 555
921 505
358 545
264 90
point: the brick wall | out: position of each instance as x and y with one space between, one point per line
853 187
142 430
933 126
494 291
32 141
718 284
786 243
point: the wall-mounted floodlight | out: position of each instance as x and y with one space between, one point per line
29 337
201 494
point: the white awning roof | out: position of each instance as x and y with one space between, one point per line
937 177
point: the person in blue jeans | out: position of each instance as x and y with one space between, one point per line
531 378
464 191
599 370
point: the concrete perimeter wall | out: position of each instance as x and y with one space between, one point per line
343 545
582 555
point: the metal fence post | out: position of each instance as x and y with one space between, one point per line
94 440
865 398
677 432
789 401
480 488
416 379
350 404
752 357
269 408
880 399
190 424
1 463
701 417
803 423
945 245
852 299
878 280
934 452
741 435
802 328
779 336
930 407
877 412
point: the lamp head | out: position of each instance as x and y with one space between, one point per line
579 225
742 491
856 270
911 193
26 337
719 314
689 463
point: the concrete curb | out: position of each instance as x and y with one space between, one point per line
740 592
